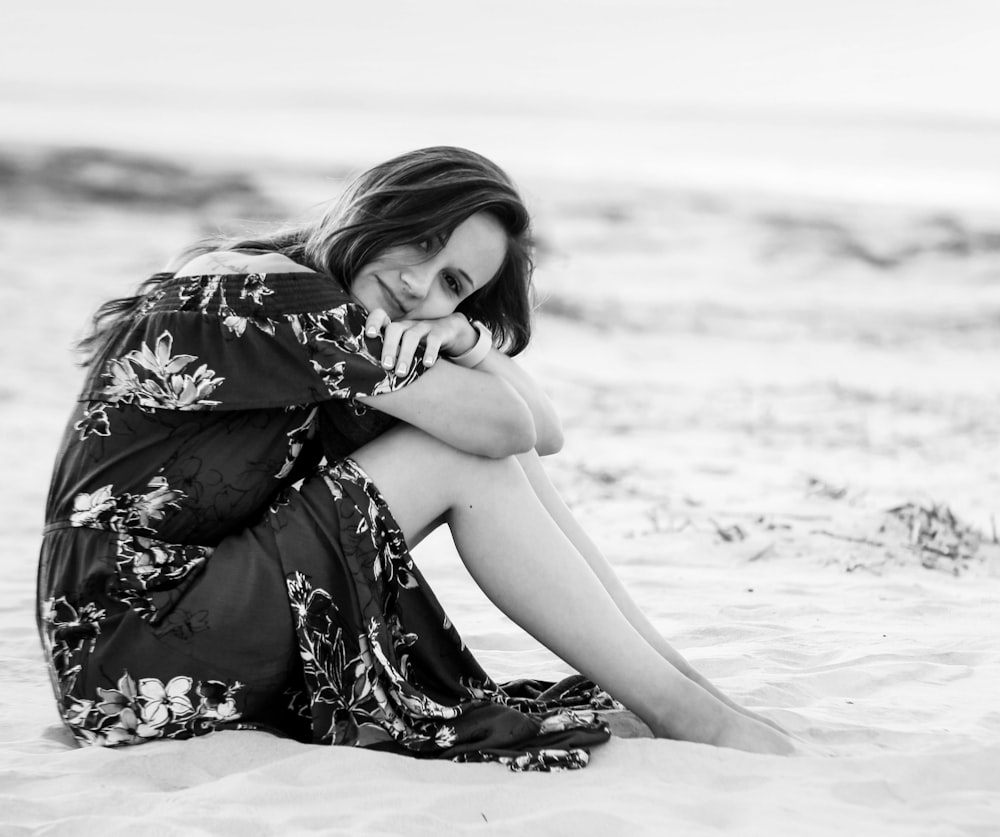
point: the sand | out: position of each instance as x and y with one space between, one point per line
748 385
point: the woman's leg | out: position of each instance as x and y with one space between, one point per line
532 571
571 527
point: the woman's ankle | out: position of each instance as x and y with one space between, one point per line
755 737
699 718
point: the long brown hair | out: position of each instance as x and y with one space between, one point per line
420 196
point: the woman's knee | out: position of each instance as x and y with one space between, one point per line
423 480
407 448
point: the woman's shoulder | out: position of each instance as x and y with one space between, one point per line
235 262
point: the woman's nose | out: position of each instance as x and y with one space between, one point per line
416 280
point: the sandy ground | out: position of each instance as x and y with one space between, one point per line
748 385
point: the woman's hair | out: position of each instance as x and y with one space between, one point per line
418 197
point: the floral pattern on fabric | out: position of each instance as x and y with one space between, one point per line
69 633
255 289
149 708
203 567
364 686
94 422
543 761
102 509
362 690
297 439
154 378
135 710
153 574
340 333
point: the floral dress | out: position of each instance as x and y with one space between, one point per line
214 559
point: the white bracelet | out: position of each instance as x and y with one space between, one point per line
477 354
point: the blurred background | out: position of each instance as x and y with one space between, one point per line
769 273
881 100
769 237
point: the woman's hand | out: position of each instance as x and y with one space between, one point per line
451 335
454 335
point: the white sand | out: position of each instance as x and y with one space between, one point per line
757 375
760 380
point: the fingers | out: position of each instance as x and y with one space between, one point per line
400 342
377 320
390 343
409 342
401 339
432 348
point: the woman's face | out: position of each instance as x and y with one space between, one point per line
410 283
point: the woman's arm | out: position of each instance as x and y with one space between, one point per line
473 411
454 335
548 428
470 410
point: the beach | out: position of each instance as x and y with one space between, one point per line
735 442
773 346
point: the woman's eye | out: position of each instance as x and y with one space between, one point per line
453 284
432 244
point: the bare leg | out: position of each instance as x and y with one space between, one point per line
529 568
570 526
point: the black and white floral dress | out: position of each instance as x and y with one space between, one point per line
214 559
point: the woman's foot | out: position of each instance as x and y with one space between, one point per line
699 717
743 733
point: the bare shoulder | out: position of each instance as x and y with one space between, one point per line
230 261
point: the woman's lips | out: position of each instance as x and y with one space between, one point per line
392 298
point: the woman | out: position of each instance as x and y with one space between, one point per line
266 430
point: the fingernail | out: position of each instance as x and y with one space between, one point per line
372 332
400 369
387 361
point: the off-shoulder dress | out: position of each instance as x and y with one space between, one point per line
214 559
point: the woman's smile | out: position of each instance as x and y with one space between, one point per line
410 282
391 299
